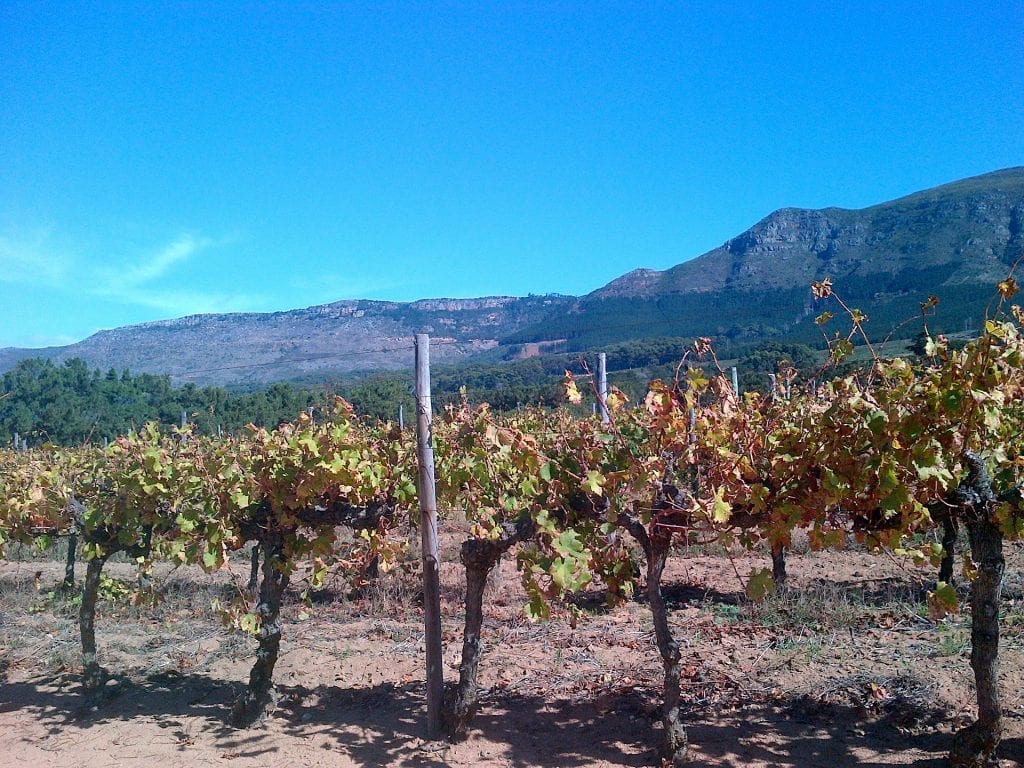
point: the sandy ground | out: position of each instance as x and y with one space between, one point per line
842 671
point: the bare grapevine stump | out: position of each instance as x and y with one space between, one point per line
93 675
259 699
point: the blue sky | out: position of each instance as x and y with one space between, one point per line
163 159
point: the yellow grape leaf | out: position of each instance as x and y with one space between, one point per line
572 392
721 511
594 482
249 623
616 399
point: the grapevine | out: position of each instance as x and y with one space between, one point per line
884 454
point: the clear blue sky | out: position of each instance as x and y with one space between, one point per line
163 159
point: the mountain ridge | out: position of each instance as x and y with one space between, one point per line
251 348
955 240
828 228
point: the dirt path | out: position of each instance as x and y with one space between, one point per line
844 671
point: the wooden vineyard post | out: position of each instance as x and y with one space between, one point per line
602 386
428 539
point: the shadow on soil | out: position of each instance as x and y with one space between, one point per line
60 704
676 595
384 724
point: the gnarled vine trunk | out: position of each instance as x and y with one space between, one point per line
656 547
258 699
93 675
779 564
675 740
108 541
975 746
479 556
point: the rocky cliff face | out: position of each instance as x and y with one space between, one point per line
972 228
639 282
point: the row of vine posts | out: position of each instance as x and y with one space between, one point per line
591 493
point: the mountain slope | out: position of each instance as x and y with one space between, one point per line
256 348
975 227
955 241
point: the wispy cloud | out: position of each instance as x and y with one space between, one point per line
155 265
142 281
111 282
33 259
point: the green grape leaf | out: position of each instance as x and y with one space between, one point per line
760 585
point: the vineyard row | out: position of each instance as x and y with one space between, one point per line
883 454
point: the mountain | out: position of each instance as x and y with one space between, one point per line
972 229
954 241
257 348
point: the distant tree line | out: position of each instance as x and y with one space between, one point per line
71 404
